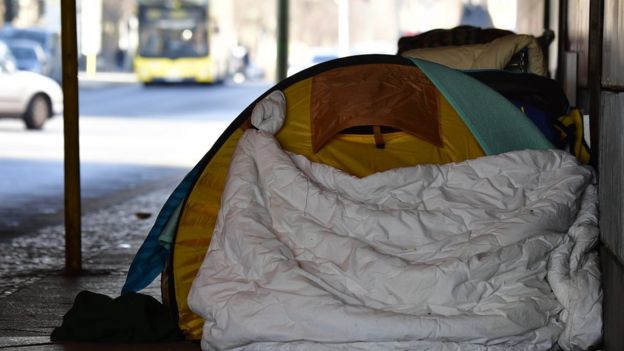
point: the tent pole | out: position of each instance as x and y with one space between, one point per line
282 39
73 254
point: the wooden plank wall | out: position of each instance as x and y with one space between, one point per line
613 47
613 286
611 171
578 36
609 91
611 183
612 130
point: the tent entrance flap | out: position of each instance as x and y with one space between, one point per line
374 95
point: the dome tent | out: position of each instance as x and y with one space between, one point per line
362 114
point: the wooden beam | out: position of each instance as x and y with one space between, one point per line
546 18
546 25
73 251
594 79
613 304
562 41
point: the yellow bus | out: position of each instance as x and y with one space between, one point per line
178 44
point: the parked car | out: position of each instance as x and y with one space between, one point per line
49 41
6 56
29 96
29 55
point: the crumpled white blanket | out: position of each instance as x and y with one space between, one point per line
488 254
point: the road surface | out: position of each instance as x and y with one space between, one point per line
132 140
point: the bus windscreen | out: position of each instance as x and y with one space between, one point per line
173 33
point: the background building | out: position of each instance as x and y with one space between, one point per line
333 27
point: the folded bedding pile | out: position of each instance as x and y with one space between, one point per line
489 254
496 54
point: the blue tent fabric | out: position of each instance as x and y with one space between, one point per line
167 236
495 122
542 120
152 256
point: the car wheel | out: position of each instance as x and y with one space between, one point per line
37 113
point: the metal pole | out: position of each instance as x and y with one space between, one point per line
596 24
546 14
546 25
282 39
562 41
73 254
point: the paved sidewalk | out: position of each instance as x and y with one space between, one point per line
105 79
34 299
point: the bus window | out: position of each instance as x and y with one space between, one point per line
174 44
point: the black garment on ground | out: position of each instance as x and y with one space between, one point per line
130 318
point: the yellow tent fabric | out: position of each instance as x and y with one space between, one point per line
354 154
571 127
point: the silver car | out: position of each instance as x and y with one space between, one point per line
30 96
48 40
29 56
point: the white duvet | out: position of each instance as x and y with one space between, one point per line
488 254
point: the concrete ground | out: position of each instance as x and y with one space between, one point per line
35 293
34 298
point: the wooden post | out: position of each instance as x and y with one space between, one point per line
594 79
73 253
282 39
546 18
562 41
